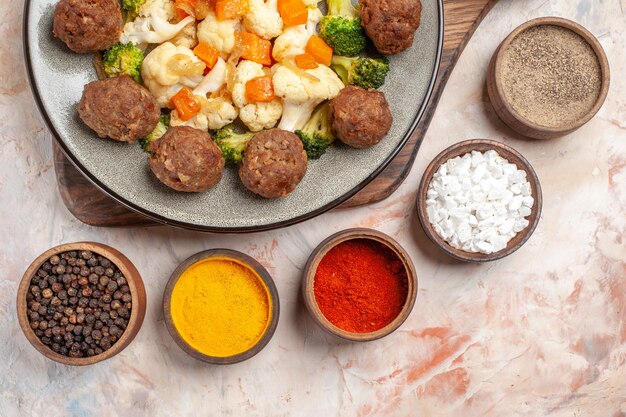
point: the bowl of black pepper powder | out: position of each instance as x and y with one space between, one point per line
548 78
81 303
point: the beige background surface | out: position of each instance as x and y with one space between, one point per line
540 333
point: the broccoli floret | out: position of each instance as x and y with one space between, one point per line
363 72
123 59
232 143
159 130
131 9
316 136
341 28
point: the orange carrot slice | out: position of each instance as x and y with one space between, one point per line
199 9
293 12
322 53
260 89
185 104
306 61
254 48
207 54
231 9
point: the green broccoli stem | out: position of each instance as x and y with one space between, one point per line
342 8
342 66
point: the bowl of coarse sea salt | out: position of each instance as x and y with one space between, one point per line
479 200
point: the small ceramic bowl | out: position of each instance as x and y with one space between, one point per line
137 292
321 251
480 145
519 123
252 264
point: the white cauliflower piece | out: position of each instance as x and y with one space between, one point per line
257 116
187 37
294 39
220 34
260 116
168 68
152 25
215 113
302 91
214 80
311 3
263 19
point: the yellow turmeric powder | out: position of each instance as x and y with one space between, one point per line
220 307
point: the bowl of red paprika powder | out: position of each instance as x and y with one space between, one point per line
359 285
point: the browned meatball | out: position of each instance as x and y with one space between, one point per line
88 25
391 24
186 159
274 163
119 108
359 118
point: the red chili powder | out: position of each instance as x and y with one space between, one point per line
360 285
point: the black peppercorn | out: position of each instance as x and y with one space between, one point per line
93 278
78 303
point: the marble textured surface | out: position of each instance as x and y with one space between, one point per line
540 333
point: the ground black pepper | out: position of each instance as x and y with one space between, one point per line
551 75
79 304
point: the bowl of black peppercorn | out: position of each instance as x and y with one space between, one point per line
81 303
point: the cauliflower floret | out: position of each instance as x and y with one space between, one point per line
302 91
257 116
260 116
168 68
153 23
215 113
294 39
220 34
214 80
263 19
297 88
311 3
245 71
187 37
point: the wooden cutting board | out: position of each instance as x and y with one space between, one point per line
461 18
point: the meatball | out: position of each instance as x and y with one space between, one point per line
119 108
359 118
391 24
274 163
88 25
186 159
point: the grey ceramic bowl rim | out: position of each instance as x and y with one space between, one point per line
269 226
251 263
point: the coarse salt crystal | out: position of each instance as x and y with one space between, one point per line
478 202
528 201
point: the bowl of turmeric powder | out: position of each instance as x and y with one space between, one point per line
221 306
359 285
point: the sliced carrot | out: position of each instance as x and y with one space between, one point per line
322 53
293 12
260 89
306 61
207 54
181 14
199 9
254 48
185 104
230 9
